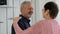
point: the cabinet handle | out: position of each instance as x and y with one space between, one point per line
10 18
1 22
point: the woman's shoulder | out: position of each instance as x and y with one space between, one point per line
50 20
46 22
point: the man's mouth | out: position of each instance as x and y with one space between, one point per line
31 13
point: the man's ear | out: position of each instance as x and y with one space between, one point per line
21 9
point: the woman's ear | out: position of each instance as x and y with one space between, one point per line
47 12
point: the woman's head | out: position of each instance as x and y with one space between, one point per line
50 10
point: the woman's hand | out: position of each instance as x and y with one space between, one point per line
16 19
16 26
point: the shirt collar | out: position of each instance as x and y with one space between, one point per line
24 18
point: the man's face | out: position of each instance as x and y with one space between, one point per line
27 10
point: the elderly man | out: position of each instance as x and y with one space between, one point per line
26 12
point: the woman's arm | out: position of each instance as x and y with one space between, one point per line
35 29
42 27
16 27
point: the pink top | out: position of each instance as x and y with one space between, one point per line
41 27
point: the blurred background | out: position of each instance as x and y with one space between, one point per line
11 8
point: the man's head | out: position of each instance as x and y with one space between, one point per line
50 10
26 9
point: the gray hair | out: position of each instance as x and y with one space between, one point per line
24 3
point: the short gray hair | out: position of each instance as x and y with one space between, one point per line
24 3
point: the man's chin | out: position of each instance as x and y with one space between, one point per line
29 16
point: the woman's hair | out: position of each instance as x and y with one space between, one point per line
53 9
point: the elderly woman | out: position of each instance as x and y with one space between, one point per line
47 26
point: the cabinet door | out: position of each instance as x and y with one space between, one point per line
10 15
3 21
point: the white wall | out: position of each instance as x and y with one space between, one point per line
58 17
